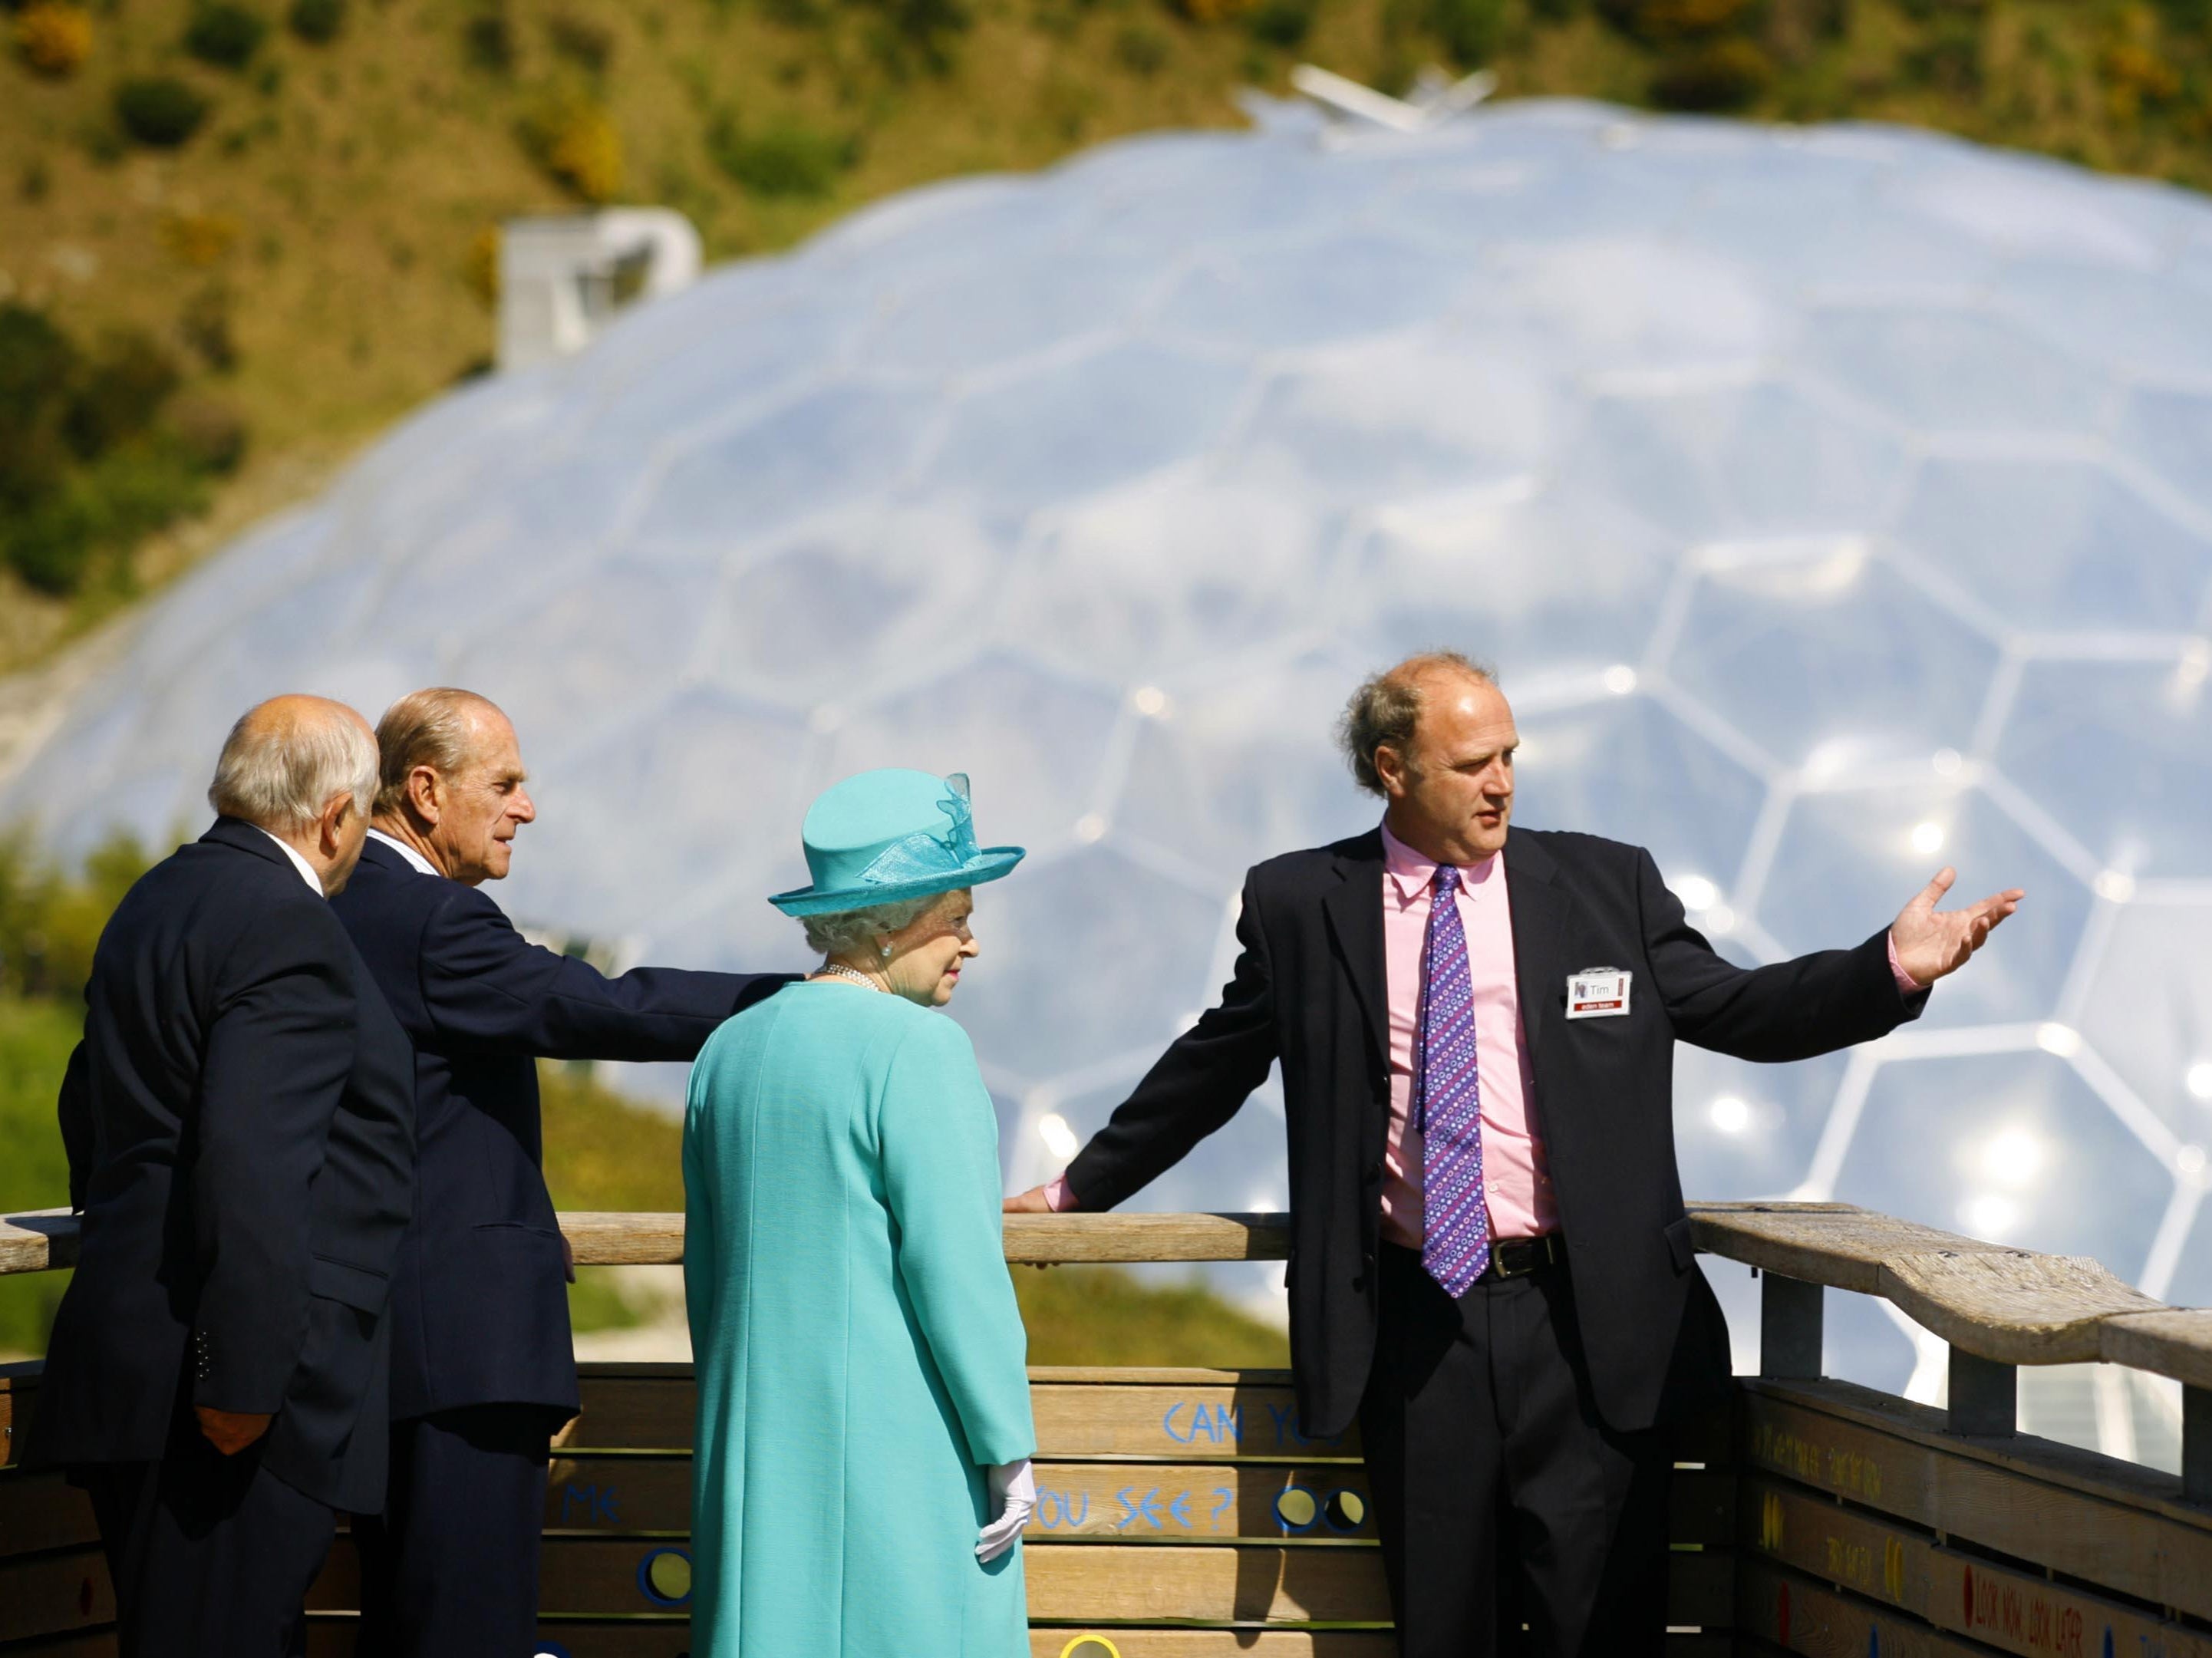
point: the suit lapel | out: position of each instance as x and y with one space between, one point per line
1354 909
1540 941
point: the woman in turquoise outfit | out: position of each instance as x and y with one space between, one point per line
861 1473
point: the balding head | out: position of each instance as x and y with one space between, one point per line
450 782
286 758
1383 712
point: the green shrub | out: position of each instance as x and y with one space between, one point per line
926 28
1471 30
317 22
1724 75
120 394
782 161
589 45
208 434
101 511
1141 51
488 40
1282 23
159 110
225 34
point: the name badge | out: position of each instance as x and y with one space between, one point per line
1598 993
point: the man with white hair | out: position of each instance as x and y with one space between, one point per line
483 1369
238 1119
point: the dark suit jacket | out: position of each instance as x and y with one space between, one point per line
480 1296
240 1131
1310 991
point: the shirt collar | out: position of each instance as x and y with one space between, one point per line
307 870
421 864
1411 874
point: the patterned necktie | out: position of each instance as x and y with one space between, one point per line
1455 1233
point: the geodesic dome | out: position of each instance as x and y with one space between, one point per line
1836 503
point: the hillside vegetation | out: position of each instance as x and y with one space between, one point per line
238 237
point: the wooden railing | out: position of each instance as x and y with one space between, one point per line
1184 1515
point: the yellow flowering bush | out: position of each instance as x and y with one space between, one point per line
54 38
576 142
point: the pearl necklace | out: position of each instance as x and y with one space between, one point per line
839 970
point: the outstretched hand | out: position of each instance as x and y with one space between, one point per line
1931 943
1031 1202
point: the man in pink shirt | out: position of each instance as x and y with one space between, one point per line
1491 1266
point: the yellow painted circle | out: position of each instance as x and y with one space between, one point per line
1091 1646
1351 1510
1296 1507
669 1574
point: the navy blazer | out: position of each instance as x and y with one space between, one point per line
239 1121
1310 990
480 1294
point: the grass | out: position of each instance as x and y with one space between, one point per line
339 189
35 1040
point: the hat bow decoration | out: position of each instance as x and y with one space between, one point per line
930 852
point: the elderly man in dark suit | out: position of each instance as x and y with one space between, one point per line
1491 1266
238 1120
483 1369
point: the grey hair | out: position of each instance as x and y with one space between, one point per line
280 773
1381 711
852 932
429 728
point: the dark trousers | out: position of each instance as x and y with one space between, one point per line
210 1556
1500 1497
449 1570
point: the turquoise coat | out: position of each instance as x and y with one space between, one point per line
860 1357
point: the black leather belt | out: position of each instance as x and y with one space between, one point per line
1516 1257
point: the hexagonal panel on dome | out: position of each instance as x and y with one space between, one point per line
1867 658
1034 741
1952 371
854 604
1087 959
2011 1148
1756 461
1747 1128
1627 768
2119 752
783 463
2149 1011
1062 429
1848 861
2039 541
1550 585
2168 430
1312 293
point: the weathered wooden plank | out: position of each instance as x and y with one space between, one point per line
86 1643
1800 1614
2176 1341
632 1407
37 1240
2009 1305
2093 1519
43 1511
1126 1237
619 1238
1835 1244
1244 1584
1904 1568
54 1594
1063 1642
1195 1422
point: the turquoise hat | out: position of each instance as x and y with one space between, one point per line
888 835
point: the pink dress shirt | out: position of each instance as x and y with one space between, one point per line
1516 1182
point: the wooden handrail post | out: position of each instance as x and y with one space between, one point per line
1789 1328
2196 1446
1984 1396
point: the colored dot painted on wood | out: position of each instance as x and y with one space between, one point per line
1968 1578
1782 1615
1091 1646
663 1577
1297 1508
1346 1510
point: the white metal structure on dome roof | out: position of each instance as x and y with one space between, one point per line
1838 504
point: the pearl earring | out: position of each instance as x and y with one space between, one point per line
887 952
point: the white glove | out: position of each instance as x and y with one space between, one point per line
1013 1493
